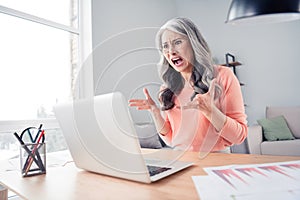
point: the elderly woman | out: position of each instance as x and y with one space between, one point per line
202 106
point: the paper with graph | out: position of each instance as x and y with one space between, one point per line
280 180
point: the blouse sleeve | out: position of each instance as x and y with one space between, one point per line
235 129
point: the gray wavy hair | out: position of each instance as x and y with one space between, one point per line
203 71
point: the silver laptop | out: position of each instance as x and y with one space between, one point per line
101 138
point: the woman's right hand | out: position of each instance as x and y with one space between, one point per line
148 104
144 104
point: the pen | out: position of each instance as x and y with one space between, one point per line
19 139
39 130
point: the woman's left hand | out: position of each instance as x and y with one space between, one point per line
206 104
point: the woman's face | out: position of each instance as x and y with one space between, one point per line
178 51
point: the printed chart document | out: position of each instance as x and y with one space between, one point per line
280 180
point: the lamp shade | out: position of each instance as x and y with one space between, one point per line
263 11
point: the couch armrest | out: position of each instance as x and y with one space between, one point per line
255 138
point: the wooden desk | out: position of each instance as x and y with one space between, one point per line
70 183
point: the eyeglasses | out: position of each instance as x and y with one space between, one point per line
174 45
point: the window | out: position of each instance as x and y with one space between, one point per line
36 68
40 57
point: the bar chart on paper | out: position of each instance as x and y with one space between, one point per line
260 181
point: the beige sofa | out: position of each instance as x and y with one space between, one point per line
259 145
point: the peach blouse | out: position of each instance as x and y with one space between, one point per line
190 130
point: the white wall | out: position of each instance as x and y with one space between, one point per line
269 53
125 57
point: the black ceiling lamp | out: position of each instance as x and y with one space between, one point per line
262 11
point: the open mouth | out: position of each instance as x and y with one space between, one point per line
177 61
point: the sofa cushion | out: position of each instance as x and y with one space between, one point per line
284 147
276 129
291 114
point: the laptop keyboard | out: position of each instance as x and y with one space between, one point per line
153 170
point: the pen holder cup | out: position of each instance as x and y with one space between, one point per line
33 159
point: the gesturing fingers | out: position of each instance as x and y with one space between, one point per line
140 104
201 101
148 97
143 104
